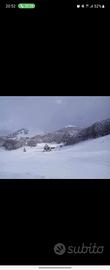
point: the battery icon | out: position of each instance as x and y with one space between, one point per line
26 5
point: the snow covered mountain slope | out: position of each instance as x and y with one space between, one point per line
98 129
68 135
31 137
86 160
57 136
23 133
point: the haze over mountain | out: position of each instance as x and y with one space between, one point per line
51 113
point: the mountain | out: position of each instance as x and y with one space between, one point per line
23 133
58 136
98 129
22 137
67 135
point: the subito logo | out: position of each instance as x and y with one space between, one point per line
59 249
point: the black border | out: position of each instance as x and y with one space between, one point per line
37 214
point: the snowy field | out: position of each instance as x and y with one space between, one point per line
88 160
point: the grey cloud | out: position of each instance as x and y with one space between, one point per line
49 113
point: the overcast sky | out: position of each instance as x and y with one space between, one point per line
50 113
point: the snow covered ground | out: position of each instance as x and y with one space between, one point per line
90 159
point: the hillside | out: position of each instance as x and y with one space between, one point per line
68 135
88 160
21 138
98 129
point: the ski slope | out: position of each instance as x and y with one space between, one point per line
86 160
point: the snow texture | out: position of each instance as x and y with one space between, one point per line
85 160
